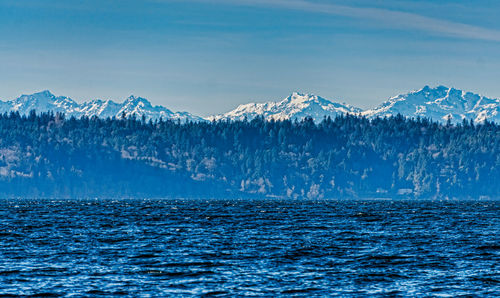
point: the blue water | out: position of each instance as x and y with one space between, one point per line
249 247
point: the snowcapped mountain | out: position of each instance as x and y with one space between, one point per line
141 106
439 103
295 106
42 101
46 101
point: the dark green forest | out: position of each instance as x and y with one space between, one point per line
47 155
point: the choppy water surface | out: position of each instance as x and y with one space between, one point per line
252 247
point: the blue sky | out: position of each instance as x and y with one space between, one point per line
207 57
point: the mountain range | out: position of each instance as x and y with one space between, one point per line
439 103
46 101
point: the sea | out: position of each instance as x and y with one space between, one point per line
249 247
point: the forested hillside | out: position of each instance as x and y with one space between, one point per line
47 155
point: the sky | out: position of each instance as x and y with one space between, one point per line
209 56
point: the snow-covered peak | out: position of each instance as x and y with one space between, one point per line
43 100
44 93
440 103
140 107
295 106
297 98
137 101
42 96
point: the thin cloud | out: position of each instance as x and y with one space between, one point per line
394 18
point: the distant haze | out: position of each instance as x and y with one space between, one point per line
208 57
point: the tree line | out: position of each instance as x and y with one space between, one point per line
47 155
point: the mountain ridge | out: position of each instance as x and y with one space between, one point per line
437 103
297 105
45 101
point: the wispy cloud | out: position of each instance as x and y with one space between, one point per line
393 18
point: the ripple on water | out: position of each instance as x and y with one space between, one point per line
253 247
